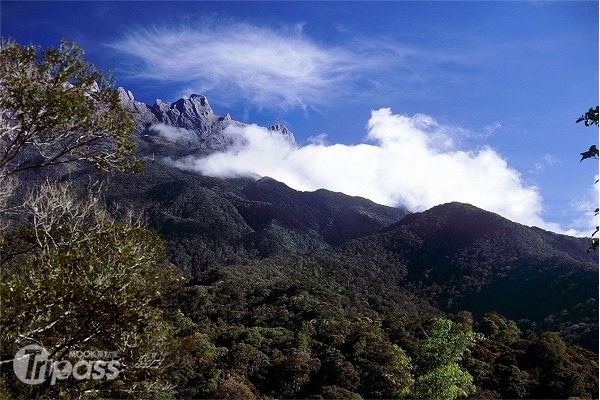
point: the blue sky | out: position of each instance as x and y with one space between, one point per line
480 90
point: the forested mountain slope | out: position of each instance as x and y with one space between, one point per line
456 256
208 222
463 258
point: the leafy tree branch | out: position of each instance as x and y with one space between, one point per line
590 118
56 108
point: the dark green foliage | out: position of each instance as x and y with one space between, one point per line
208 222
75 279
495 326
532 367
336 392
463 258
292 332
57 108
590 117
284 328
334 216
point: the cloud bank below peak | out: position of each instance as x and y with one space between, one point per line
406 161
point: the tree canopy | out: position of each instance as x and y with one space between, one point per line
74 278
56 108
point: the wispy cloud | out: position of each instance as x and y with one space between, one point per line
412 161
406 160
547 160
585 204
264 66
284 68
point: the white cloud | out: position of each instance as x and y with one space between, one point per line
409 161
320 139
489 130
585 204
174 134
284 68
548 160
261 65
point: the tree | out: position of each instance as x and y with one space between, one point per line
497 327
383 367
75 279
291 372
233 389
590 118
57 108
557 374
439 375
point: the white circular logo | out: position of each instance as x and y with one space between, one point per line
31 363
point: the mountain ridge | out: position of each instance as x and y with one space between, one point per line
233 220
464 258
455 255
205 129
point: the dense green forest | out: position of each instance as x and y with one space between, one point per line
201 287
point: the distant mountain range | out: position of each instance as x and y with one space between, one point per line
452 257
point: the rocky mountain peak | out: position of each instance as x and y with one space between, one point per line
125 96
141 111
284 131
193 114
195 104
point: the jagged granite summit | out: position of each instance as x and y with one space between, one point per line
284 131
190 119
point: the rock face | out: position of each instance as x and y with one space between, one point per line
193 113
203 128
284 131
